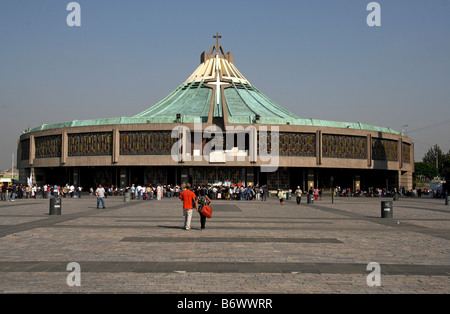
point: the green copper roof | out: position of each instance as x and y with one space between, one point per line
192 100
245 102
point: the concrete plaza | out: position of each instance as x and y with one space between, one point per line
247 247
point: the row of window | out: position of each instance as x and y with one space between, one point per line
161 143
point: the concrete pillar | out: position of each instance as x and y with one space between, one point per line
310 179
369 150
405 179
116 146
319 147
64 147
123 181
32 151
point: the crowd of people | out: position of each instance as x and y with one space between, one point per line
13 192
20 191
383 192
214 192
158 191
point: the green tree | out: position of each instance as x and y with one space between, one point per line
446 168
425 169
435 156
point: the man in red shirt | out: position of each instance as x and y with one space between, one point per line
187 196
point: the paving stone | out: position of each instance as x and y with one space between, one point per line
248 247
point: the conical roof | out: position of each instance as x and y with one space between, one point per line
217 92
217 89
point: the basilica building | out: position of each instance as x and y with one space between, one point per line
216 128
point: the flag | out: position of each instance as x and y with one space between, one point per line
30 180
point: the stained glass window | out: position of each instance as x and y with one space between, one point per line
344 146
146 143
406 155
48 146
90 144
383 149
25 144
290 144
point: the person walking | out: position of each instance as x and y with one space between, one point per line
281 197
298 194
265 192
202 200
189 201
316 194
100 193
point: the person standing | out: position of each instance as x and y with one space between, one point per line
72 191
189 201
4 192
298 194
13 193
49 191
158 192
9 192
100 193
202 200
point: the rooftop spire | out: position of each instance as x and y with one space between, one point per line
217 42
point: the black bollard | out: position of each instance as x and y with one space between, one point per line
55 206
387 209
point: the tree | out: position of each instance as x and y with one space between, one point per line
446 168
436 157
425 169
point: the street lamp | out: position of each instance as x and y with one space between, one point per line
404 132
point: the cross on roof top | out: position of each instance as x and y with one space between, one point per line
217 42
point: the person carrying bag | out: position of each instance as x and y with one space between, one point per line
203 208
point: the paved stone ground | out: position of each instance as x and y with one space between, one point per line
247 247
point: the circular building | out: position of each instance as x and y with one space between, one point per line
216 128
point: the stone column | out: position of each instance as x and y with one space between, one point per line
116 146
32 151
64 147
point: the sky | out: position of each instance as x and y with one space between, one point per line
317 58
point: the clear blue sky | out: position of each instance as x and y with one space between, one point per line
316 58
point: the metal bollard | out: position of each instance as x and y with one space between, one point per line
55 206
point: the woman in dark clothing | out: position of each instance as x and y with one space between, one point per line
202 200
